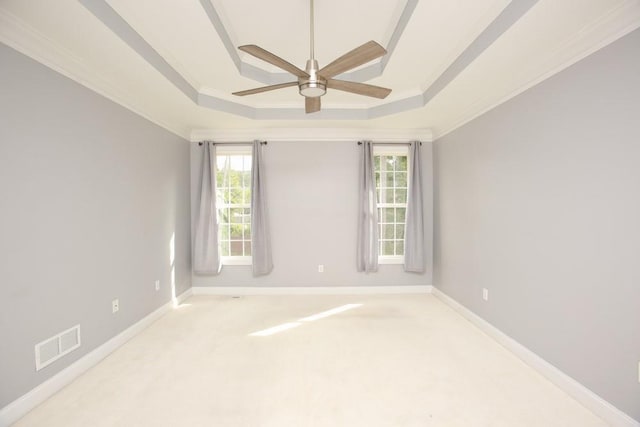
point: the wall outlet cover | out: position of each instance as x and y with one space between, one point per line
115 305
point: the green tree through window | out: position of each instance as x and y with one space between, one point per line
390 167
233 192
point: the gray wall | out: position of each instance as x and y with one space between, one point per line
312 191
90 196
539 201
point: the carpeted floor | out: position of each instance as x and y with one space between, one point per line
394 360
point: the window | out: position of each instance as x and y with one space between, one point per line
233 200
391 170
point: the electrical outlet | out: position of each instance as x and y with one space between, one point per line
115 305
320 268
485 294
157 285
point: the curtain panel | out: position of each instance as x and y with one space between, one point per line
367 244
262 262
206 253
414 250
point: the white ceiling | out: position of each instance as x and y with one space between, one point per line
176 62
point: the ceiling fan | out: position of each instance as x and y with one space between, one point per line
313 82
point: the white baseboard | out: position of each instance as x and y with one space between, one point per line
573 388
310 290
19 407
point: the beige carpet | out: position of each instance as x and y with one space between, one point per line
405 360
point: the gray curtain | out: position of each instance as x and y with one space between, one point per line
206 254
367 250
414 256
260 238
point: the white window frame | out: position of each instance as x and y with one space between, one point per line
392 150
227 150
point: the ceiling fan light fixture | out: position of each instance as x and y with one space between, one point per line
313 89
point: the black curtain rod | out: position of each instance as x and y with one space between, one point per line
234 143
390 143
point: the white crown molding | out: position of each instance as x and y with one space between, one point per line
311 290
28 41
19 407
573 388
619 22
311 134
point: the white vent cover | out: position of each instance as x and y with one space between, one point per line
52 349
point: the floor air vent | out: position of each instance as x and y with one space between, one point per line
52 349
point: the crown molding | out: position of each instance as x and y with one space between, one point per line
25 39
312 135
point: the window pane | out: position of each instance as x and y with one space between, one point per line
399 247
387 231
235 196
388 195
246 179
247 232
236 247
401 196
236 232
387 247
235 215
376 163
377 174
389 215
247 248
401 179
400 213
402 163
388 180
400 231
389 162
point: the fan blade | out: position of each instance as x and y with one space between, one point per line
358 56
264 89
359 88
269 57
311 105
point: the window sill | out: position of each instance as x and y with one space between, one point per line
236 260
391 260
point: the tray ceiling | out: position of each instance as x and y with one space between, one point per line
176 62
